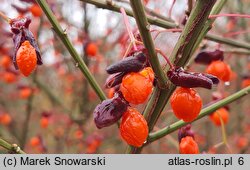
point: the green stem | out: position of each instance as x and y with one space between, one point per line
216 10
190 7
143 26
11 147
186 41
144 29
160 105
204 112
151 104
191 32
105 4
111 5
243 21
151 12
236 51
64 38
231 42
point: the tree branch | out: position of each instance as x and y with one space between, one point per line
204 112
65 40
144 29
180 56
106 4
11 147
111 5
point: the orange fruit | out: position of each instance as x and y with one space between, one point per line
219 69
25 93
188 146
215 117
36 10
5 119
186 104
134 128
26 58
5 62
136 88
91 49
44 122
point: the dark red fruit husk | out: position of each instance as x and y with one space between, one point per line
206 57
128 64
180 77
110 111
185 131
21 33
114 79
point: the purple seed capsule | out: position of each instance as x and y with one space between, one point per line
114 79
128 64
110 111
208 57
185 131
182 78
21 33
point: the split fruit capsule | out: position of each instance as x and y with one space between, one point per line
26 52
110 111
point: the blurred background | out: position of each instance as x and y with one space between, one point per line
51 110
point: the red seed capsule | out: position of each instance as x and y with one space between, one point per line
136 88
219 69
220 113
134 128
21 33
188 146
186 104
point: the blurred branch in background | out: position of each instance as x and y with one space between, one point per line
25 128
64 38
165 24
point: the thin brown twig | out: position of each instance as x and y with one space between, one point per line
2 15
